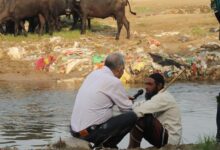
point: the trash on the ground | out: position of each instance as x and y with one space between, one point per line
16 53
44 63
211 46
184 38
152 41
143 56
55 39
98 58
214 30
166 34
73 64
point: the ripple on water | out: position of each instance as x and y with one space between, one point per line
34 115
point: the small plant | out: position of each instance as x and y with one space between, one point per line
207 143
143 10
197 31
65 33
60 144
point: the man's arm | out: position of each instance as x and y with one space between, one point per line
159 103
120 98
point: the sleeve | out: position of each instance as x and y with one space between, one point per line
119 96
158 103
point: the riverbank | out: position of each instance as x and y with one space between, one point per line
166 38
206 144
51 106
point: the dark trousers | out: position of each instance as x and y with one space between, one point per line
149 128
217 15
110 133
218 123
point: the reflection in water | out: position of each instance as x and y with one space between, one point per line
35 114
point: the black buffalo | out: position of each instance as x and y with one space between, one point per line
104 9
18 10
58 8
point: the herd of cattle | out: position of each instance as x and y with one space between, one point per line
44 15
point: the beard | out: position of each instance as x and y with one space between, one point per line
149 95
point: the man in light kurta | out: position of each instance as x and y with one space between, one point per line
159 117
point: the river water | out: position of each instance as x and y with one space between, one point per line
36 114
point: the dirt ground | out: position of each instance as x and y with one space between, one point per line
192 19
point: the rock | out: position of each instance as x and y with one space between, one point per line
211 46
213 29
184 38
77 143
70 143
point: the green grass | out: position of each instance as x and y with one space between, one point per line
143 10
197 31
97 26
207 143
65 33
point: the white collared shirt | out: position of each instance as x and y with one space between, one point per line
167 112
96 97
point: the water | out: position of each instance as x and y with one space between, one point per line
36 114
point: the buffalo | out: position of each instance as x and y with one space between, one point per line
104 9
17 10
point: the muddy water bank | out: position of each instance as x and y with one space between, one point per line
37 114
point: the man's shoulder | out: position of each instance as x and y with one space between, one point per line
166 95
107 77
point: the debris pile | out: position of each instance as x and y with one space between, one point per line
143 57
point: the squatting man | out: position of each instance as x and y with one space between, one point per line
157 120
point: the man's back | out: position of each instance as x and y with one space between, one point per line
96 97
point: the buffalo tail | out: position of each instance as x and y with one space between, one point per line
134 13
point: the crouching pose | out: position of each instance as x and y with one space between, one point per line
92 118
159 117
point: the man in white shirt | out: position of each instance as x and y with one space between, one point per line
159 117
92 117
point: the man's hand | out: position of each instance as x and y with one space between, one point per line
131 98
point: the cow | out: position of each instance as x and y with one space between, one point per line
103 9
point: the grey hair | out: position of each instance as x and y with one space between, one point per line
114 60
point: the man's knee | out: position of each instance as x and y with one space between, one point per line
128 118
145 121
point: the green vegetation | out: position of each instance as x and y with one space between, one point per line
207 143
143 10
197 31
11 37
65 33
97 26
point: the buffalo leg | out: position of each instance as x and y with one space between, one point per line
75 20
42 24
89 23
119 24
58 24
83 26
127 26
51 26
23 28
16 28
